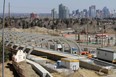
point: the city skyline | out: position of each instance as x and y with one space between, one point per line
23 6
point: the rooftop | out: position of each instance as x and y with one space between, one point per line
108 49
69 60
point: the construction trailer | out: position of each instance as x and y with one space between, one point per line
108 54
70 63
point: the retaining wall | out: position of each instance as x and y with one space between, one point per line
94 67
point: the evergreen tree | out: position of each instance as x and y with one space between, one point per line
6 53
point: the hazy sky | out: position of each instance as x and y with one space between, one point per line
42 6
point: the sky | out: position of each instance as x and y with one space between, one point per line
45 6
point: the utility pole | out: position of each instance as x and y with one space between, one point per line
53 16
87 34
9 9
3 38
9 14
115 35
75 35
102 45
53 12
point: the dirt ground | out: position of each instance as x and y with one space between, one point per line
27 70
85 73
79 73
9 70
57 75
38 30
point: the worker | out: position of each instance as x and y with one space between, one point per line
55 67
89 56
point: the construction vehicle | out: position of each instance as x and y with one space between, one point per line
87 53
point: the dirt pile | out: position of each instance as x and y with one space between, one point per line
85 73
38 30
26 70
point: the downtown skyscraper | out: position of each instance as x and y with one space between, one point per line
92 11
63 12
54 13
106 12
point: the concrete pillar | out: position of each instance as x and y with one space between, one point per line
71 51
41 45
62 47
55 45
17 47
12 46
35 43
24 48
30 51
8 43
38 45
48 45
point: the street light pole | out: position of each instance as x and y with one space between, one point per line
3 38
75 35
102 45
115 36
87 34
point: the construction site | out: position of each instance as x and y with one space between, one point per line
70 43
39 54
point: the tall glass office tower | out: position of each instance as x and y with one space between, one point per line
92 11
63 12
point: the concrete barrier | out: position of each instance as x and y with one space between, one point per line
42 74
49 69
39 69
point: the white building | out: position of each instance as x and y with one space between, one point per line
19 56
69 63
108 54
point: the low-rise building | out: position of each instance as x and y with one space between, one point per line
69 63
